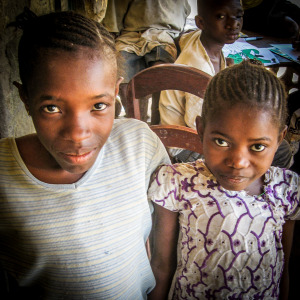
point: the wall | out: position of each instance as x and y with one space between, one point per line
14 120
11 109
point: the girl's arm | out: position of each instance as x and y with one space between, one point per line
163 242
287 242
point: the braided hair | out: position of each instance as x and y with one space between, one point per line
249 84
67 31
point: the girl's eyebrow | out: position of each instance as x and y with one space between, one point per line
220 133
263 138
49 97
103 95
53 98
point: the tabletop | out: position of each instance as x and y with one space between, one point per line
267 41
287 70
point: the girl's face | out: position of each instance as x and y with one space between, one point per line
71 99
239 146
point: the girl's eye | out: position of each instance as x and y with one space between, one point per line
51 109
258 147
100 106
221 16
221 143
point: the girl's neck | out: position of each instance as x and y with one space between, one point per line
256 188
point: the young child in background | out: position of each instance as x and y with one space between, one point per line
74 214
232 205
219 23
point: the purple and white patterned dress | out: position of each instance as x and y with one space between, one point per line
230 242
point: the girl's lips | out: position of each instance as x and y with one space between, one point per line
232 36
77 158
234 179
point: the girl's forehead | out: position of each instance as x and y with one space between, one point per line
64 75
241 113
50 58
79 54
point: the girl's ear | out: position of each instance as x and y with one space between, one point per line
199 22
282 134
118 85
22 94
199 127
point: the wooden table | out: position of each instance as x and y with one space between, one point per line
287 70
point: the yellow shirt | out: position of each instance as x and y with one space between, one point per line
178 107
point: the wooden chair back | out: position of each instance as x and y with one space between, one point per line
164 77
179 137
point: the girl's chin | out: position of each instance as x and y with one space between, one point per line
234 184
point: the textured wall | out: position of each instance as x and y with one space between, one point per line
14 120
13 117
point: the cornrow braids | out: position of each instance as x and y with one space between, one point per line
67 31
249 84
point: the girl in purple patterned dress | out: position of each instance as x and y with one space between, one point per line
231 206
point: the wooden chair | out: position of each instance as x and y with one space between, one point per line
168 77
178 136
164 77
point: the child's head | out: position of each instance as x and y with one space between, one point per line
220 20
249 84
69 73
242 124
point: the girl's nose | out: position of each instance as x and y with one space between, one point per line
237 160
232 23
76 128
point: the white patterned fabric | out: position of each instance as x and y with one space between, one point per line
231 241
84 240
